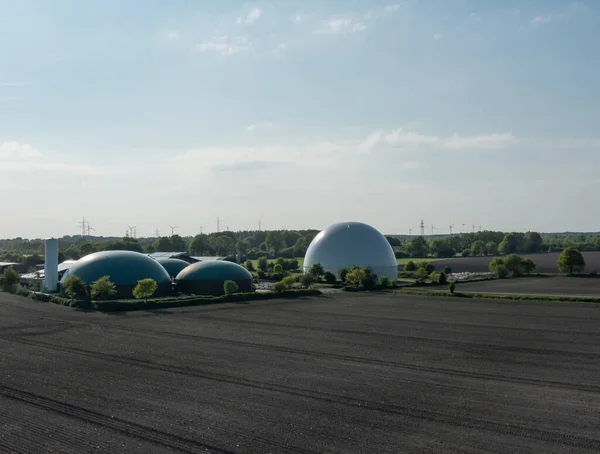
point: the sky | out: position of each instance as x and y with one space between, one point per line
298 114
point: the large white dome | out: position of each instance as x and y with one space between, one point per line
346 244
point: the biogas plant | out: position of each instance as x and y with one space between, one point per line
340 246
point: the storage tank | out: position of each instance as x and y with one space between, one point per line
51 265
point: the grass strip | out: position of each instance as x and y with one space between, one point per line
499 296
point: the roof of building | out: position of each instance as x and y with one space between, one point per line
215 270
8 264
64 266
124 268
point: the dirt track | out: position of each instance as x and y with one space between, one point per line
351 373
548 286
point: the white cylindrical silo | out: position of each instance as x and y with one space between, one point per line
51 265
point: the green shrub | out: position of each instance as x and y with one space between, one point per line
307 280
279 287
261 274
420 275
278 269
103 289
75 288
249 265
263 264
343 273
451 287
514 264
494 263
410 266
384 282
502 271
447 270
230 287
434 277
145 288
293 264
466 253
317 270
290 280
329 277
442 279
10 278
21 291
528 265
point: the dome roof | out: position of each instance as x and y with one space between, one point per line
125 268
214 270
173 266
346 244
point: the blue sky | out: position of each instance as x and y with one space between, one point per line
298 114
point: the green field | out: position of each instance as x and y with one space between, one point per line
400 261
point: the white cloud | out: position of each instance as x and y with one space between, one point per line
405 138
437 36
252 17
256 126
173 35
545 19
15 151
297 18
13 84
392 8
22 157
224 45
339 25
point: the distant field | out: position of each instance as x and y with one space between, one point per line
551 286
400 261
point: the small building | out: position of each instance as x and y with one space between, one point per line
208 278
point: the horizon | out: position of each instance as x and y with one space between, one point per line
298 114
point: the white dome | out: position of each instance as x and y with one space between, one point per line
346 244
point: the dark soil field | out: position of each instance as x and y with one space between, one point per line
548 286
546 263
352 373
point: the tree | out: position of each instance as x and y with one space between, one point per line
514 264
343 273
528 265
571 261
491 248
86 249
307 280
10 278
417 247
478 248
532 242
72 253
103 288
512 242
410 266
230 287
275 241
75 288
447 270
249 265
278 269
145 289
263 264
242 247
199 245
494 263
317 270
384 282
293 264
501 271
329 277
163 244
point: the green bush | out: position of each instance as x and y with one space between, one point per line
502 271
514 264
263 264
384 282
10 278
494 263
447 270
249 265
293 265
466 253
278 269
451 287
329 277
434 277
317 270
307 280
279 287
290 280
442 279
75 288
103 289
230 287
410 266
343 273
145 289
421 275
21 291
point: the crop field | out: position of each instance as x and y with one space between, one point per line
353 373
547 286
402 261
546 262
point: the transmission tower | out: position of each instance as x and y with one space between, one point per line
450 226
422 228
218 224
157 232
83 225
89 229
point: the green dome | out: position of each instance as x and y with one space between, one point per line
173 266
125 269
207 278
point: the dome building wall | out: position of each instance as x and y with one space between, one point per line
124 268
172 266
208 278
346 244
